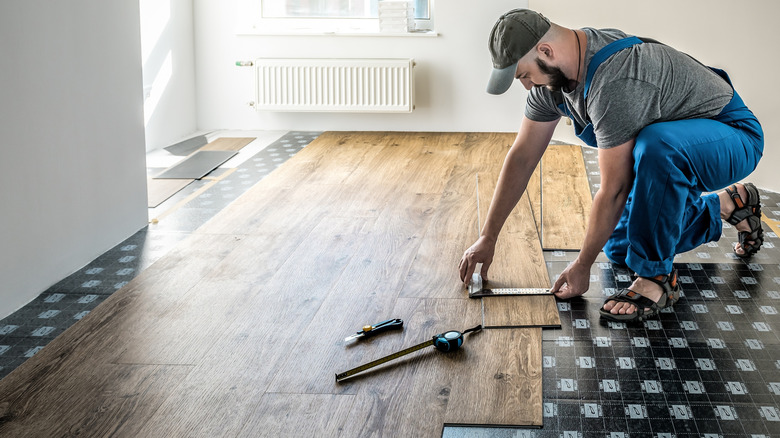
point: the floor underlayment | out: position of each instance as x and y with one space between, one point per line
708 367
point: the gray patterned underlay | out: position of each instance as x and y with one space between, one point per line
28 330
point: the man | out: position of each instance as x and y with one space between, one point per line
667 129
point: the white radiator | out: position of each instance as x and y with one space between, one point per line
346 85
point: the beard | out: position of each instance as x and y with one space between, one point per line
558 81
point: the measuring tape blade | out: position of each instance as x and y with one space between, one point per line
353 371
508 291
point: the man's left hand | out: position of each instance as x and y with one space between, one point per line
573 281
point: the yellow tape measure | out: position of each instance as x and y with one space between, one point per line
444 342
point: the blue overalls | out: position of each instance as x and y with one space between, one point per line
674 163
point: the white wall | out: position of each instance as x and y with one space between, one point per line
739 37
167 54
451 73
73 182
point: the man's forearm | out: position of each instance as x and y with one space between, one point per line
509 189
604 216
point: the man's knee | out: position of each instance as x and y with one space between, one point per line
654 144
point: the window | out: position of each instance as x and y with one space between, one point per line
341 13
333 9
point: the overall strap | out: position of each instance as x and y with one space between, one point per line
602 55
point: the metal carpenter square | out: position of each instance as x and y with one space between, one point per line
509 291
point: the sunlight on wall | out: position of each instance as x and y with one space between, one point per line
155 22
155 16
157 89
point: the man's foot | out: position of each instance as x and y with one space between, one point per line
644 298
643 287
740 205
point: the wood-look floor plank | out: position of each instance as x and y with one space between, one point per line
504 384
227 144
229 383
110 328
158 190
436 154
299 415
364 294
259 280
518 260
339 154
521 311
567 198
268 207
112 400
453 228
409 396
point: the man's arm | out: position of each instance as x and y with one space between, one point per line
519 165
617 177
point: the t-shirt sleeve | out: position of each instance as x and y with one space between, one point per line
541 105
621 108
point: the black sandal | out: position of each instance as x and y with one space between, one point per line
671 294
750 210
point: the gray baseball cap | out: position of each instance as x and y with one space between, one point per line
515 33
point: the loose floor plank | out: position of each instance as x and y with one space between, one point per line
521 311
504 386
566 195
227 144
159 190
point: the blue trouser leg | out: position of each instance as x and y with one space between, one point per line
674 162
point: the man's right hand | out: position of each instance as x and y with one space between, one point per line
480 252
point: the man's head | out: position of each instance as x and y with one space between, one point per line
514 35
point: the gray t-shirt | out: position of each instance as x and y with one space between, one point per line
637 86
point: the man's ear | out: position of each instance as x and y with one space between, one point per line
545 51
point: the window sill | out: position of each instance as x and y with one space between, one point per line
254 31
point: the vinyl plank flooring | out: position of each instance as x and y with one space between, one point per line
299 415
504 386
246 318
453 228
229 384
409 396
286 288
197 165
521 311
567 198
227 144
364 294
114 400
339 154
159 190
518 260
436 154
114 325
263 208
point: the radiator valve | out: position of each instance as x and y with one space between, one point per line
244 63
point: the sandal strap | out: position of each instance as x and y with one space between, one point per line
750 211
669 286
744 210
628 296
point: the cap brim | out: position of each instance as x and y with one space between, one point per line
501 79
